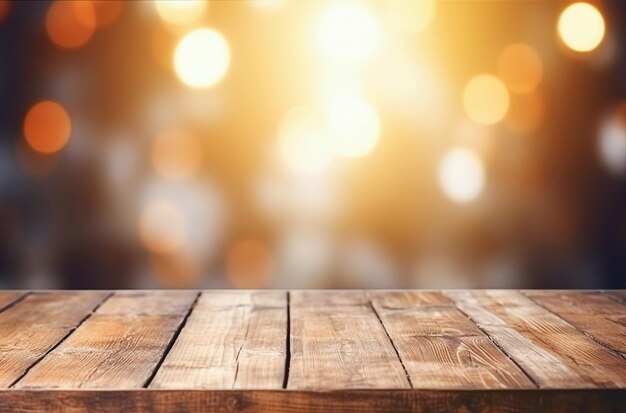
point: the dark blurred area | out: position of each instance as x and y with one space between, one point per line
293 144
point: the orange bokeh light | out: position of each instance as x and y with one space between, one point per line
526 112
70 24
107 11
250 264
47 127
5 8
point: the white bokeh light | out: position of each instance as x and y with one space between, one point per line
461 175
202 58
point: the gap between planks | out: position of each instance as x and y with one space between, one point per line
170 344
69 333
391 341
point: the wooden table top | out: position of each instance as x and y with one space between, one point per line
391 351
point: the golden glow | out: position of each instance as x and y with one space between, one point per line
268 5
249 264
461 175
581 27
303 142
348 33
47 127
202 58
70 24
520 67
180 12
107 11
162 227
486 99
412 16
176 155
526 112
353 126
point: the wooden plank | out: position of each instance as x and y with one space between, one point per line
595 314
440 347
620 295
338 342
117 347
9 297
231 340
553 352
293 401
34 325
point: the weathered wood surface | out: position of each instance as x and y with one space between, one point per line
350 351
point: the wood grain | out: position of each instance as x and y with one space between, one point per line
293 401
553 352
117 347
231 340
337 342
595 314
31 327
440 347
9 297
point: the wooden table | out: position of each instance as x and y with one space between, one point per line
344 351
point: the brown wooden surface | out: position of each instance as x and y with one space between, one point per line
350 351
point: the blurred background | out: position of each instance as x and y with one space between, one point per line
312 144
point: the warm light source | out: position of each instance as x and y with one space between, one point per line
176 155
47 127
486 99
412 16
581 27
348 33
303 141
70 24
162 227
520 67
461 175
353 126
180 12
202 58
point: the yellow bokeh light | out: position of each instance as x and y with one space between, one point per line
176 155
486 99
520 67
353 126
412 16
202 58
581 27
461 175
162 227
180 12
303 142
348 33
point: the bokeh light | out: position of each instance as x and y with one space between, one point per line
176 155
304 144
249 264
70 24
202 58
5 8
520 67
47 127
486 99
107 11
412 16
268 5
180 13
162 227
612 141
353 126
581 27
526 112
348 33
461 175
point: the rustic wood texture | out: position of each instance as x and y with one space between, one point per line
595 314
337 341
34 325
552 351
231 340
344 351
117 347
440 347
